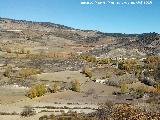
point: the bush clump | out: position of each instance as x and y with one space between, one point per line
123 88
28 111
157 87
28 72
36 91
108 111
8 50
75 86
54 88
7 72
86 70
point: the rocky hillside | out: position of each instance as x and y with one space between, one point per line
102 43
44 29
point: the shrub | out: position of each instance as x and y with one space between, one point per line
32 93
28 51
28 111
157 87
123 87
120 72
22 51
7 72
36 91
110 111
152 61
144 89
75 86
93 59
86 70
103 60
45 117
28 72
40 89
55 88
88 58
130 65
8 50
120 65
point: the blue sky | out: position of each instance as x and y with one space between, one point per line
105 18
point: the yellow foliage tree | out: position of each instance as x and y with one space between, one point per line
32 93
36 91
